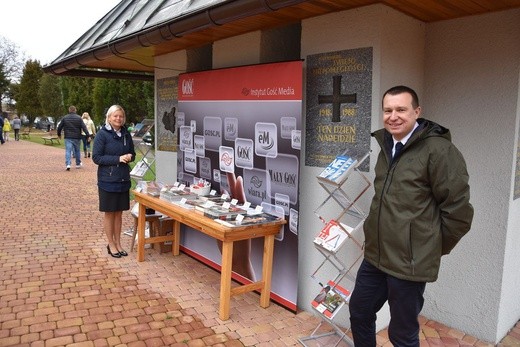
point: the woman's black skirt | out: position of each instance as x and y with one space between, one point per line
113 201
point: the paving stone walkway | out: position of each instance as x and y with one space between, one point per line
59 287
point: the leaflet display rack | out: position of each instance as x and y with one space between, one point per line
343 227
145 148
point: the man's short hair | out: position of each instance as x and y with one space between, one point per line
72 109
404 89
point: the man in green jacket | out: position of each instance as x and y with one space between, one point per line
419 212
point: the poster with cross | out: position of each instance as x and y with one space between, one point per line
339 105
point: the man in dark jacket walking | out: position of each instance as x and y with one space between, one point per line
72 124
419 212
1 129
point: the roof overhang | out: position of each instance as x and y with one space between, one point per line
125 42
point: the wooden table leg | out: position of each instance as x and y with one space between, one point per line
141 220
267 270
225 279
176 237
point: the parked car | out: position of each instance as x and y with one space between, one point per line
147 138
44 123
25 120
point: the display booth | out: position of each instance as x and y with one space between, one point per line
240 129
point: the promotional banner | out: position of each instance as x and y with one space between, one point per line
240 129
339 104
167 95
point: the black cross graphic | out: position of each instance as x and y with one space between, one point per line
336 99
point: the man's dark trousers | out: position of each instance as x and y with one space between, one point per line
405 298
1 129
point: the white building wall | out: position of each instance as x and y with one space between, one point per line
510 302
402 53
466 72
398 48
471 86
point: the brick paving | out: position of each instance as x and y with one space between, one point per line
59 287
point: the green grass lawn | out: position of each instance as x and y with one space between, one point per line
36 137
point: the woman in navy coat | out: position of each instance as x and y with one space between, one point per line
113 151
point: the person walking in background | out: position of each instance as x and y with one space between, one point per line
1 129
72 124
113 151
17 125
92 131
6 128
419 212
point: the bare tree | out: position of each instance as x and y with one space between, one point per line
12 59
12 62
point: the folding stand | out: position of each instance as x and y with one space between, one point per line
349 221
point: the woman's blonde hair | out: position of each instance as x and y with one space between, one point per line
85 115
113 109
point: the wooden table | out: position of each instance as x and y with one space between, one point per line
227 235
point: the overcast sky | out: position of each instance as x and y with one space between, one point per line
44 29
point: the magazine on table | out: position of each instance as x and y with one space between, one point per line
223 212
244 220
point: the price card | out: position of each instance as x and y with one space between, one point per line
182 186
176 184
258 208
224 197
138 189
247 205
239 218
234 202
226 205
183 201
213 192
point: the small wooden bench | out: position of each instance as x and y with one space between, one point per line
51 138
26 133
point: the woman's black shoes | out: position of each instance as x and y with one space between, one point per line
115 255
118 254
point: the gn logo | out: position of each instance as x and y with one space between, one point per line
187 87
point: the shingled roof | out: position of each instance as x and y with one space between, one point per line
125 41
